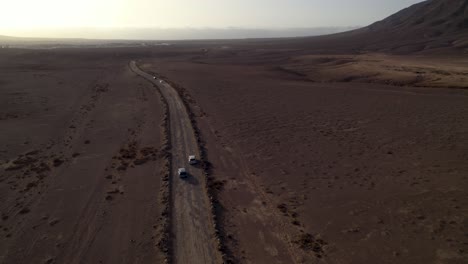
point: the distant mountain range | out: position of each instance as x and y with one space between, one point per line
178 33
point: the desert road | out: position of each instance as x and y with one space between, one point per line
193 236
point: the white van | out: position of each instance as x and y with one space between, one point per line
182 173
192 160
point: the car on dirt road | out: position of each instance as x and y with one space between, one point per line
182 173
192 160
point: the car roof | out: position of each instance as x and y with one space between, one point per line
182 169
191 156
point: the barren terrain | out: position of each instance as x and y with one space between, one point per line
81 160
347 148
308 167
331 171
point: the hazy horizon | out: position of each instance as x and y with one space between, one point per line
116 19
177 33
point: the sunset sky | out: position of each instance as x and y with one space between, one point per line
32 14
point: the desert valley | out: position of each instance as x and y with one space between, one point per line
344 148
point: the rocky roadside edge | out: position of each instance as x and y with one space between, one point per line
164 243
211 184
163 231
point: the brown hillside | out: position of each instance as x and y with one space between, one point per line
427 19
434 26
430 25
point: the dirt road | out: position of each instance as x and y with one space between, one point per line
192 226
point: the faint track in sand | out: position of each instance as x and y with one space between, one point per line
193 233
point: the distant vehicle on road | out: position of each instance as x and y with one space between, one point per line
154 77
182 173
192 160
160 81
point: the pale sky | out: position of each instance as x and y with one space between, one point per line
29 14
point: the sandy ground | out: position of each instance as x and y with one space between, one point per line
310 167
80 156
419 71
340 172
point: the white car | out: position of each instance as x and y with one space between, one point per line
154 77
192 160
182 173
